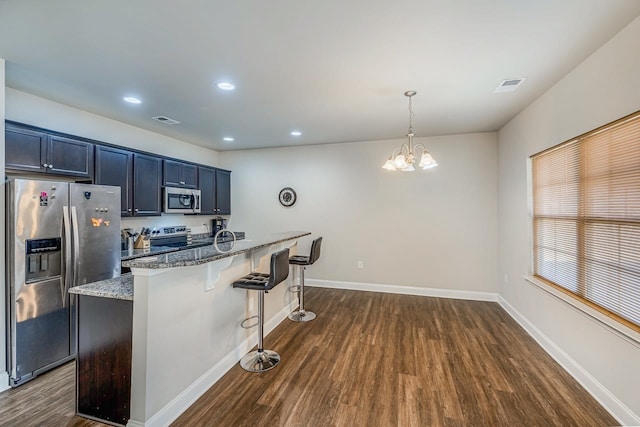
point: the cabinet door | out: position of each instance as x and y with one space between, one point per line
147 177
178 174
189 176
172 175
67 156
25 149
207 181
115 167
223 192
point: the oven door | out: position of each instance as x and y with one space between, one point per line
181 200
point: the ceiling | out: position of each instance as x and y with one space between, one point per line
335 70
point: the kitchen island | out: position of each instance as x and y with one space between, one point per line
186 320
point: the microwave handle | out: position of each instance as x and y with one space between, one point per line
193 202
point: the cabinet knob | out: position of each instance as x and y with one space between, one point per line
128 210
136 210
182 182
44 165
50 166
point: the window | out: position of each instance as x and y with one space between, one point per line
586 218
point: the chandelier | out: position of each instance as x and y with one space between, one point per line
403 157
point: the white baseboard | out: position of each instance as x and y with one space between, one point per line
405 290
4 381
610 402
184 400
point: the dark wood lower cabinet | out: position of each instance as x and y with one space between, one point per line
103 363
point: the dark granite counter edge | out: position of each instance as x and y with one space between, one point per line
140 253
191 260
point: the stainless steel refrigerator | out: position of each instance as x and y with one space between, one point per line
59 235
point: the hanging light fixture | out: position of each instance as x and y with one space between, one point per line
403 157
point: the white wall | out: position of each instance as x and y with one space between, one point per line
4 379
434 228
603 88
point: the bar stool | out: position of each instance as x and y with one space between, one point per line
262 360
301 261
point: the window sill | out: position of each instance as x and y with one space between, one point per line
601 319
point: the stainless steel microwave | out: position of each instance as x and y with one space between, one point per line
181 200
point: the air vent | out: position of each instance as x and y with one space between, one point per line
509 85
166 120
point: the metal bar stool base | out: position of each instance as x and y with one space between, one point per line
259 361
302 316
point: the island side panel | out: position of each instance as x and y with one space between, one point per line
185 337
104 358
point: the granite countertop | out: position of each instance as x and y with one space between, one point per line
202 238
205 254
153 250
116 288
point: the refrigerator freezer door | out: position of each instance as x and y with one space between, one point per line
41 339
38 325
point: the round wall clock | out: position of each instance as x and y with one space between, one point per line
287 197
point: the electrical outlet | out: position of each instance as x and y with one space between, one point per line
360 265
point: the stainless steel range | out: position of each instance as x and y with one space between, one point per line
179 236
174 236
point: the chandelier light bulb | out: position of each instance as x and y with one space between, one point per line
400 162
389 165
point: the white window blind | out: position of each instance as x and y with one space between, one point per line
586 218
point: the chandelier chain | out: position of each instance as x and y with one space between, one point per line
410 116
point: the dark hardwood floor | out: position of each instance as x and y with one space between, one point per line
369 359
48 400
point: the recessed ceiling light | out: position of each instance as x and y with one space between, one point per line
296 133
226 86
228 139
132 100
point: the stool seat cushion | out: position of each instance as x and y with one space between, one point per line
299 260
254 281
311 258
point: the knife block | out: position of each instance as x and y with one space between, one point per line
142 243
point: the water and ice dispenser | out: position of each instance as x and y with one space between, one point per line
43 259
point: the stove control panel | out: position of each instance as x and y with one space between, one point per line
169 231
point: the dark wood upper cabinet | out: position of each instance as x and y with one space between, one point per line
147 180
68 156
223 192
24 149
37 151
140 176
178 174
207 181
115 167
215 186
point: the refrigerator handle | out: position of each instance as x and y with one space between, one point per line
76 243
68 271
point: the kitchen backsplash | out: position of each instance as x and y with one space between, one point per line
194 222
